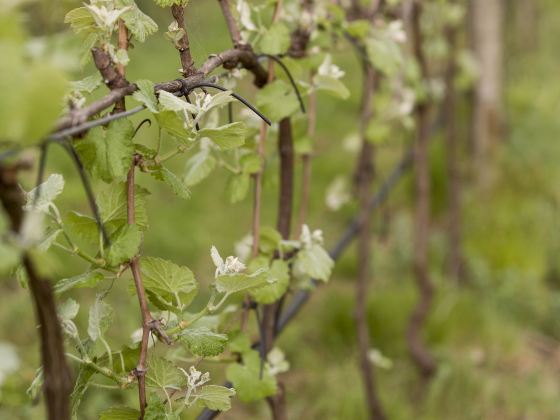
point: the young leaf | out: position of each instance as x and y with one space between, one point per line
174 124
49 190
203 342
199 166
83 227
85 373
238 187
168 280
247 381
278 277
89 279
163 374
107 152
120 413
146 95
277 100
138 23
314 262
170 102
276 39
68 310
233 283
331 85
100 318
113 206
216 397
178 187
80 20
124 245
226 137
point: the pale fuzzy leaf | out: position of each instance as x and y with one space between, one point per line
89 279
170 102
331 85
314 262
137 22
226 137
233 283
68 310
100 318
199 166
48 192
216 257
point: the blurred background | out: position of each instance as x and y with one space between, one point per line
495 333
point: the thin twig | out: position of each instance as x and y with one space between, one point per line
187 62
233 30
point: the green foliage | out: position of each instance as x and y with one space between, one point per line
125 244
146 95
246 379
168 281
226 137
203 342
106 152
278 277
119 413
87 279
198 167
276 40
216 397
277 100
100 318
163 374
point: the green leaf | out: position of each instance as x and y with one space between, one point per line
146 95
163 374
199 166
277 100
226 137
278 277
68 310
124 245
331 85
9 257
48 191
314 262
85 373
247 381
233 283
137 22
82 226
203 342
170 102
238 187
216 397
276 39
87 84
100 318
359 28
377 131
169 3
178 187
384 54
80 20
120 413
250 163
174 124
107 152
168 280
113 206
269 240
41 113
157 410
89 279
